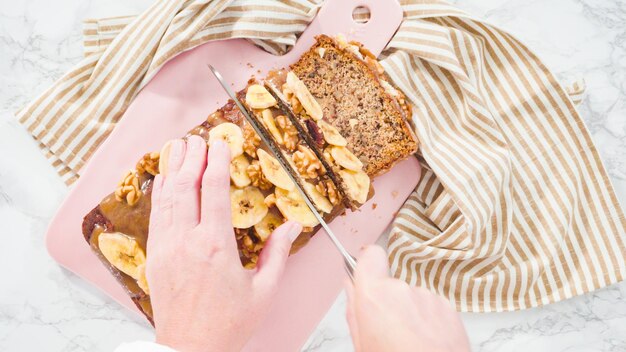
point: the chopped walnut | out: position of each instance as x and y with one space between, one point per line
249 251
321 187
251 140
287 92
307 164
240 233
327 188
149 163
296 107
128 188
257 177
290 133
356 50
352 46
248 243
307 229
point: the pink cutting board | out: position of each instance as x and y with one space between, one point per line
179 97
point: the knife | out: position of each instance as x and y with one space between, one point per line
349 261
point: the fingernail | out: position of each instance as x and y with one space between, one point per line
164 161
294 230
177 148
220 148
195 142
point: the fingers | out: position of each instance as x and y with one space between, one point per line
216 213
155 212
155 200
372 263
174 162
274 255
187 184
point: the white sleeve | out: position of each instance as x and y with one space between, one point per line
143 346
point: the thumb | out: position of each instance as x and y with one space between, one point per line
274 255
372 263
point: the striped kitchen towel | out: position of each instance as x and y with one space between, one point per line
513 209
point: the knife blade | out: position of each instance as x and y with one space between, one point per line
349 261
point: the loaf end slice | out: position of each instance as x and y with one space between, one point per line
357 98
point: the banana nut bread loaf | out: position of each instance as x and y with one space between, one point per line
333 157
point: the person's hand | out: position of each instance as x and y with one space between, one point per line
202 297
385 314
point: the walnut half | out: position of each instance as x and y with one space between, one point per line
251 140
257 177
328 189
307 163
149 163
128 188
290 133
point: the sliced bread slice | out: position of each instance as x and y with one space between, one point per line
357 99
332 149
310 173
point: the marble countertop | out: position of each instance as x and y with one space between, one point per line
45 307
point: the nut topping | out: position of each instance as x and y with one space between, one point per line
295 104
296 107
307 164
257 177
327 188
149 163
240 233
247 242
290 133
251 140
128 189
302 93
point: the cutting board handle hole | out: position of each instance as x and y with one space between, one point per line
361 14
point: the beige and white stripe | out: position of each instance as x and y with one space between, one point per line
513 209
77 113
